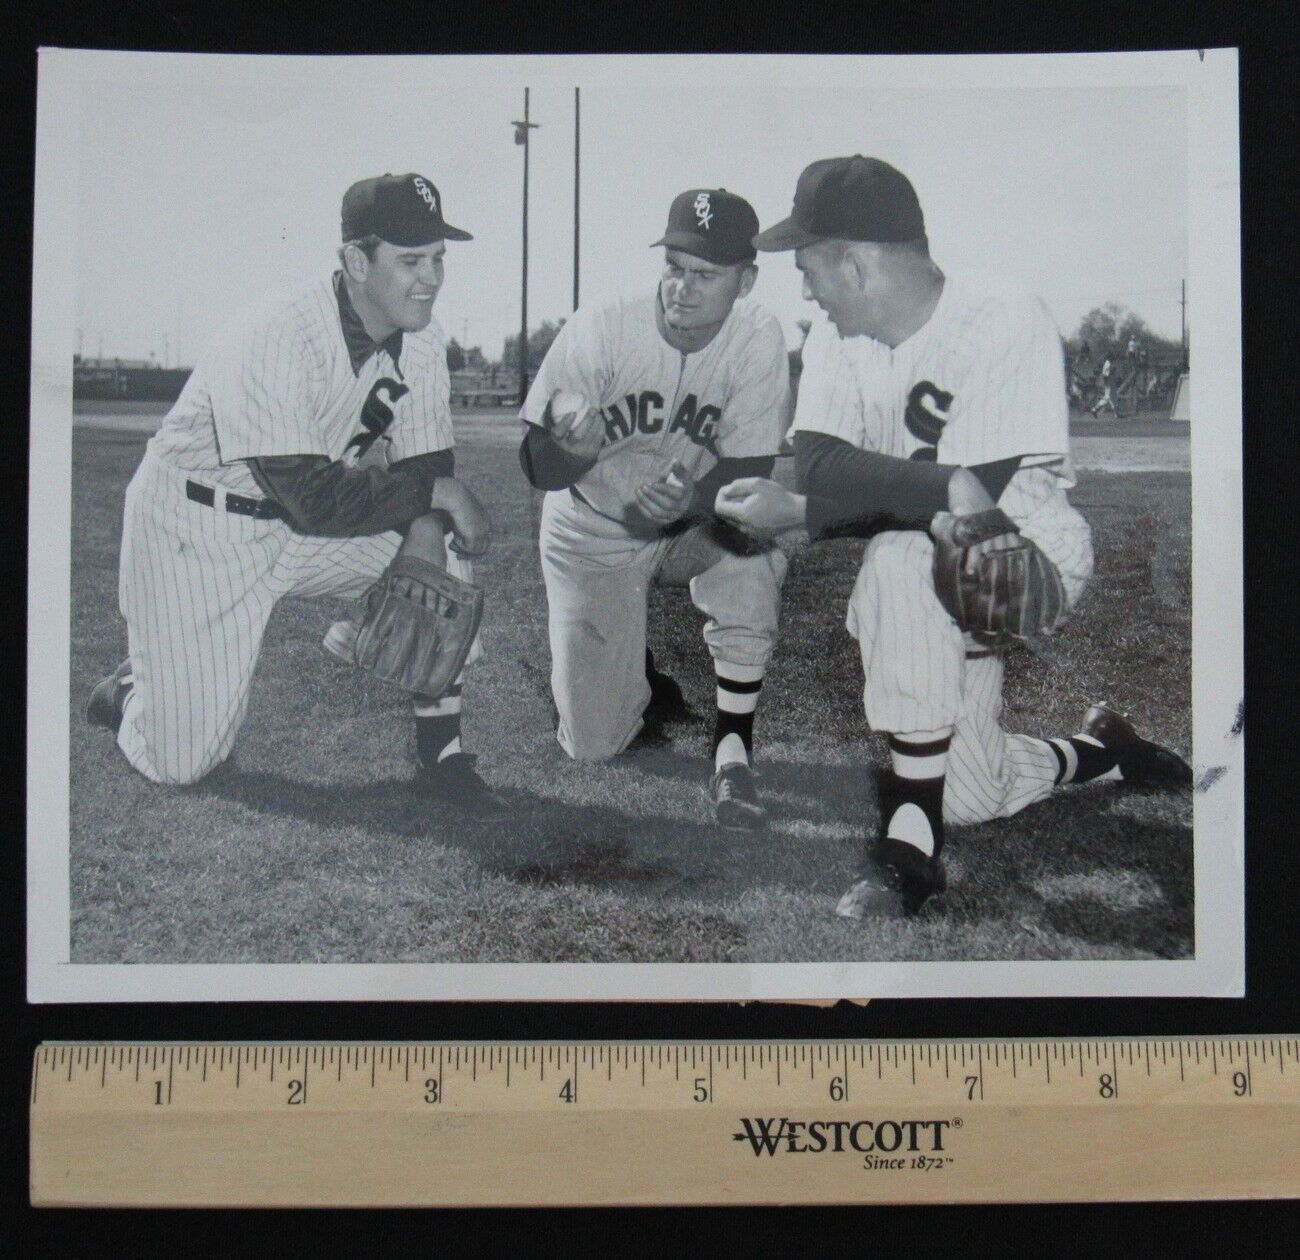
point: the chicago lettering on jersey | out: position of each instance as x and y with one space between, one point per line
645 413
923 424
376 414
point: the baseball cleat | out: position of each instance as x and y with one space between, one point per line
735 802
904 874
454 781
341 640
1140 761
667 703
108 698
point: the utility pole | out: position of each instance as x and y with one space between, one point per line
1183 303
576 194
521 137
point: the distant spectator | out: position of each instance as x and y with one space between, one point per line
1103 399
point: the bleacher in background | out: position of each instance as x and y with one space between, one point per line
128 380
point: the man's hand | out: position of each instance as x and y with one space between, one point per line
665 500
946 524
966 493
966 497
576 427
761 505
471 528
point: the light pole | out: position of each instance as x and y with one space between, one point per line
521 137
576 188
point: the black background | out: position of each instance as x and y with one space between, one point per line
1269 120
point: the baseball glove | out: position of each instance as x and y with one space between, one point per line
418 627
998 586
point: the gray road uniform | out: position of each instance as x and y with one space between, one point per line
720 412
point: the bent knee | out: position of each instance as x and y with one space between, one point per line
176 776
426 538
899 551
589 745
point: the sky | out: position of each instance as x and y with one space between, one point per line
205 181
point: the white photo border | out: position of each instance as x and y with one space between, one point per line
1217 969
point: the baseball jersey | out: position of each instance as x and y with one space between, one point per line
983 380
281 381
662 405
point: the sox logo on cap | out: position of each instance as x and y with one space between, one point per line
703 211
427 194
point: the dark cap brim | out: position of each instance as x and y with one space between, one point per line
784 235
444 233
697 247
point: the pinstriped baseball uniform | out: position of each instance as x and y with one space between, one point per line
197 582
660 406
981 381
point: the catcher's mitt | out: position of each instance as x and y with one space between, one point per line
418 627
998 586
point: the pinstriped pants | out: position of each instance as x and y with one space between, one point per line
918 678
197 585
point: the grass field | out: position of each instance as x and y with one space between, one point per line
310 847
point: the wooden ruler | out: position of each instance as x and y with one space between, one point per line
513 1123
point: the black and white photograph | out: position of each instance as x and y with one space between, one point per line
635 527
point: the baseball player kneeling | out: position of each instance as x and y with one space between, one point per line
932 420
310 454
641 411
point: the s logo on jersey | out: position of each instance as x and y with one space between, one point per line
376 415
645 413
923 424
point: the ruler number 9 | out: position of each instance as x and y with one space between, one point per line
1240 1084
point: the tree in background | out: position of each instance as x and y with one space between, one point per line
539 342
1144 366
1106 332
465 358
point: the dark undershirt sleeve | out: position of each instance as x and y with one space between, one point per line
838 479
326 498
994 477
856 493
546 464
725 471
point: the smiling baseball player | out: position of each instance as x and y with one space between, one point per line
310 447
642 409
930 403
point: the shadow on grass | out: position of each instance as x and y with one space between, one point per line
540 842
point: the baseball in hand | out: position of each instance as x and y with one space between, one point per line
675 478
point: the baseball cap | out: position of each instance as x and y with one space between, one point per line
713 224
850 199
403 210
